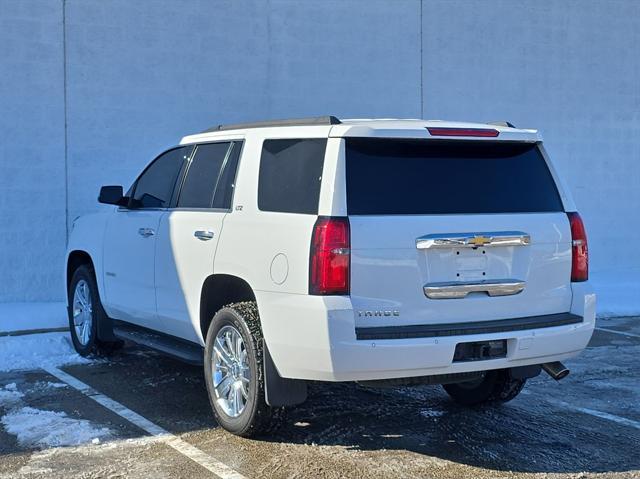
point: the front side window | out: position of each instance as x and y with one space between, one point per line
200 183
154 187
290 175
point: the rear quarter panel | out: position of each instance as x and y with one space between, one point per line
269 250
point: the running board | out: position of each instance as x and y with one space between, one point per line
178 348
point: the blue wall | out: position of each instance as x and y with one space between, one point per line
32 150
130 78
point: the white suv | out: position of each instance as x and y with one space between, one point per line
388 252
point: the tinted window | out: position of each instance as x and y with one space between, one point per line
202 176
391 177
226 182
154 187
290 175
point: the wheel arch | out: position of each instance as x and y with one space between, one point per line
75 259
219 290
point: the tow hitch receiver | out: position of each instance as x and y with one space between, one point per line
480 350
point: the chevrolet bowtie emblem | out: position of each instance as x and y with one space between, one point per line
479 240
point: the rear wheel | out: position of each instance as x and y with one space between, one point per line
494 386
234 374
85 312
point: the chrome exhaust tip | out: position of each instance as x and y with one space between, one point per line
556 370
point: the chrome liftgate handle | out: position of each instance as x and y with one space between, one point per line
456 290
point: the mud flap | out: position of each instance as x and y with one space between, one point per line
104 329
279 391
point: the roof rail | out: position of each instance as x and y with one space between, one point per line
501 123
312 121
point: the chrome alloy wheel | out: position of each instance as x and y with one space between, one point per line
82 312
231 373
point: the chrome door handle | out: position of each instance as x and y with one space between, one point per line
473 240
203 235
146 232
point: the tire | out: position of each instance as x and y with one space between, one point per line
85 305
496 386
245 376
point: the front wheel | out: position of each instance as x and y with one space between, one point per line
234 374
494 386
85 312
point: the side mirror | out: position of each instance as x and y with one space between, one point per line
112 195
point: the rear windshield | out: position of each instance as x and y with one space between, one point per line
403 177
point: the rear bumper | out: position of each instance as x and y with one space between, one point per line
463 329
315 338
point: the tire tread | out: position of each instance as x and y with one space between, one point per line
95 347
497 387
266 419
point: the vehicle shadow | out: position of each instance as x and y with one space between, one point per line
527 435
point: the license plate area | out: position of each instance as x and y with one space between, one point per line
470 264
480 350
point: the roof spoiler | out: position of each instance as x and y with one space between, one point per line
312 121
501 123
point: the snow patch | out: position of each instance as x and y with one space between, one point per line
39 428
45 385
49 384
36 351
10 396
431 413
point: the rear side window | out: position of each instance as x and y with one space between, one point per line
226 182
402 177
200 182
290 175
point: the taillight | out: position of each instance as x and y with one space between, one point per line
482 132
330 257
579 250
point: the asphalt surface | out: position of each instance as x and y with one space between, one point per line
588 425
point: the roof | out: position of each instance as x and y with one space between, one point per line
312 121
383 127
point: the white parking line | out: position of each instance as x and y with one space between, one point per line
624 333
218 468
594 412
